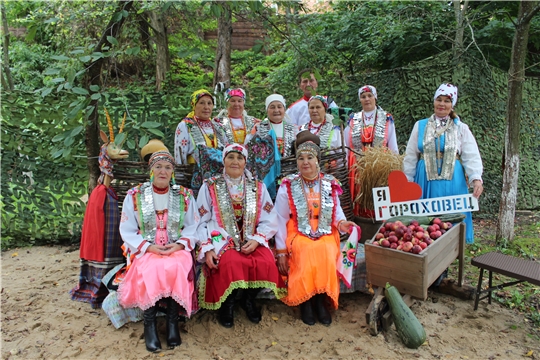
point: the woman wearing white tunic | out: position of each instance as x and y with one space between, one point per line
237 219
158 226
320 124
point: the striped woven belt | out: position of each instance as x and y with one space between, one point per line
440 156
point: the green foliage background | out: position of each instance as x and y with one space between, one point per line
50 210
385 44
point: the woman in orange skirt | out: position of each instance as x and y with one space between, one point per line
309 247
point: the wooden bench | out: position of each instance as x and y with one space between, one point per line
513 267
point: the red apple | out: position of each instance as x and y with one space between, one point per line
418 228
400 242
379 236
400 247
393 239
385 243
407 237
412 227
392 233
444 225
399 223
376 243
450 225
428 241
382 229
386 233
389 225
430 229
399 232
436 221
423 245
416 249
407 246
393 246
415 241
436 227
419 235
442 231
435 235
415 223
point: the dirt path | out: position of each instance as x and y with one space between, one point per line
39 320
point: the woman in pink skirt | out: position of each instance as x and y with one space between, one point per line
158 226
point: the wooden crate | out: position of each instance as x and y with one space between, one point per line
413 274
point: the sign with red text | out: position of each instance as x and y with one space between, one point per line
402 198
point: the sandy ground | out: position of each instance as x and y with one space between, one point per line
39 320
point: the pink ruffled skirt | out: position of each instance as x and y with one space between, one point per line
153 277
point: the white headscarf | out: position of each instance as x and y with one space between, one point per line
367 88
447 90
275 97
235 148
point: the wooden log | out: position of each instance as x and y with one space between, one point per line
449 287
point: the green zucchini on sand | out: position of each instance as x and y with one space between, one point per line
409 329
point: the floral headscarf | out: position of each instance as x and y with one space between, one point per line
241 149
195 97
321 98
235 92
367 88
447 90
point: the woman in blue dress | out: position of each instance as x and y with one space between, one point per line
442 155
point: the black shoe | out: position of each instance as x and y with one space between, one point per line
322 312
439 280
226 311
173 334
151 337
306 312
248 304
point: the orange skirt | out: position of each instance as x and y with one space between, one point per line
312 266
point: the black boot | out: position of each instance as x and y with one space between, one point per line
173 334
306 312
248 304
322 312
151 337
226 311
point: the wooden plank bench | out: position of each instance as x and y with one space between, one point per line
520 269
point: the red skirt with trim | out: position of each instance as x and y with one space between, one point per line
238 271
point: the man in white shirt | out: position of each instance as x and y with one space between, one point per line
298 111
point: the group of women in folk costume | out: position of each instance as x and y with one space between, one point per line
228 227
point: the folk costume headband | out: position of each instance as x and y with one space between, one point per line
308 147
235 148
321 99
162 155
447 90
367 88
275 97
195 97
235 92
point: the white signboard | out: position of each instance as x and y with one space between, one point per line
385 209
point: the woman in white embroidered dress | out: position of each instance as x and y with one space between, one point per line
158 227
320 123
270 140
368 128
237 219
442 154
237 124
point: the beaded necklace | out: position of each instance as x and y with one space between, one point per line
311 126
212 137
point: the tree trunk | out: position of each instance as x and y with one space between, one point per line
163 62
93 77
222 73
7 70
460 12
516 76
